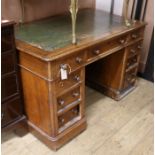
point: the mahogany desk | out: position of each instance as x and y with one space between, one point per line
111 51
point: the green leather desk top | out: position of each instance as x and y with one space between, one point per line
55 32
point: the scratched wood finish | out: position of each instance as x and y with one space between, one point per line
55 107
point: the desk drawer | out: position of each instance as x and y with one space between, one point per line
136 34
133 55
130 78
73 79
71 62
68 98
96 51
9 86
134 49
10 111
67 119
132 62
8 62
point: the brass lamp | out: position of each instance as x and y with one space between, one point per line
22 11
73 11
127 22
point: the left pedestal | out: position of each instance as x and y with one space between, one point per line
55 107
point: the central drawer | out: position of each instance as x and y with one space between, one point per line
97 50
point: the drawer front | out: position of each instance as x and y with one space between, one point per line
73 79
134 49
131 62
98 50
68 117
71 63
7 39
10 111
68 98
136 34
130 78
8 63
9 86
133 55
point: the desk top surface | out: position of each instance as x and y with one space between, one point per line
55 33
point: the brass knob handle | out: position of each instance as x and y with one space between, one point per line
139 47
76 94
134 60
133 51
122 41
134 36
133 75
79 60
129 78
128 64
133 79
97 52
61 102
62 120
77 78
75 111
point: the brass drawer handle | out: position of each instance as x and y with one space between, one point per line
135 60
75 111
122 41
97 52
61 102
139 47
77 78
128 64
134 36
76 94
133 51
131 77
62 120
79 60
128 79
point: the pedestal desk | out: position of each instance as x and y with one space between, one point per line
107 52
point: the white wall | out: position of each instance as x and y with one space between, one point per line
105 5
